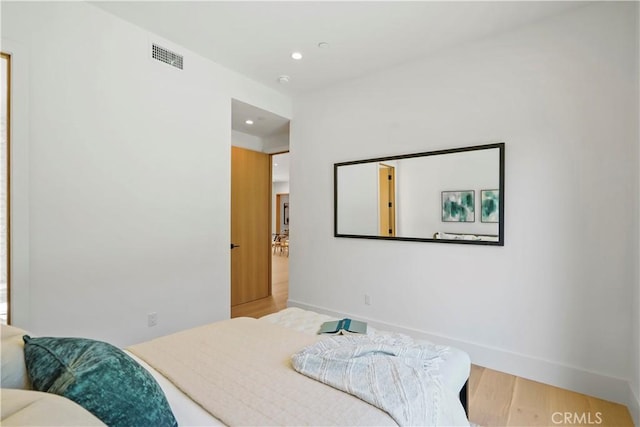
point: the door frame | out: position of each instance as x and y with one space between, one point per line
8 57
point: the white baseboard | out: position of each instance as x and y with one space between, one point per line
544 371
634 406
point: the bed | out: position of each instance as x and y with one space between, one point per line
441 235
239 372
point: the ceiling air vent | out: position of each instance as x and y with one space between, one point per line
166 56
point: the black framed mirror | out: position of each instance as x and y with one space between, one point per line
444 196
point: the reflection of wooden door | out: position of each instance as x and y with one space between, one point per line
387 189
282 213
250 228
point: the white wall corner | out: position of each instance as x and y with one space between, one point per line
634 405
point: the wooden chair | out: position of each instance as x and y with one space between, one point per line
276 244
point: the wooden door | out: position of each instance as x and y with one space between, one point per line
387 190
250 225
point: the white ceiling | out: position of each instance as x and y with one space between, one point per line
257 38
265 123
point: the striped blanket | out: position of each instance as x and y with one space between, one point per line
389 372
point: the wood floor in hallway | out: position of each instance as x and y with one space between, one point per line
495 398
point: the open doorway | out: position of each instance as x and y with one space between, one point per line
256 133
280 244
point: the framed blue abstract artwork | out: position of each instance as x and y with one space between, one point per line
490 205
458 206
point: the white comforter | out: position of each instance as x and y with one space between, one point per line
240 371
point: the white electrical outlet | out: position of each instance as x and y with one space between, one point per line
152 319
367 299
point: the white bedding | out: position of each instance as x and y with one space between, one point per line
240 371
390 372
454 370
455 367
186 411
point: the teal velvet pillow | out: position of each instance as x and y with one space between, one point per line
99 377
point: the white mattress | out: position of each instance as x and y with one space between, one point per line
455 369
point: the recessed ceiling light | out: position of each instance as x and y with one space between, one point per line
322 45
249 121
283 79
296 55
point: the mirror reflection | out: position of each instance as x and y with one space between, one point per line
451 196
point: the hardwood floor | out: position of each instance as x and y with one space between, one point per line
499 399
495 398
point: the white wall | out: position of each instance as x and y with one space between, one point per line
128 166
358 199
276 143
634 382
272 144
554 303
244 140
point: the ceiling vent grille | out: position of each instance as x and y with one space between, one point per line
166 56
